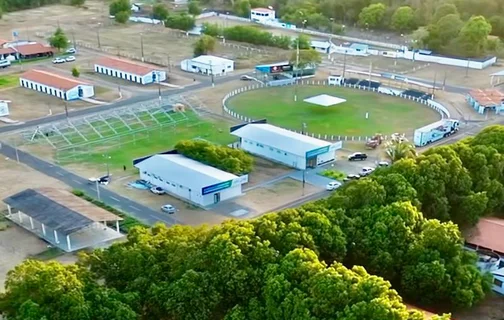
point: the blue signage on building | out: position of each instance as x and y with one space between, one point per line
316 152
216 187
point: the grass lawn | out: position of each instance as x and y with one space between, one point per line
9 81
386 114
157 140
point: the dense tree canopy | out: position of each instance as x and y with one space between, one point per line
336 258
235 161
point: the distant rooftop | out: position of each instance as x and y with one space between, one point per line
488 234
487 97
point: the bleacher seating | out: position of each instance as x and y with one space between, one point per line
414 93
351 81
369 84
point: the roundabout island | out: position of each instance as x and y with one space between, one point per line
332 110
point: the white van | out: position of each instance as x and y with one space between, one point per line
4 63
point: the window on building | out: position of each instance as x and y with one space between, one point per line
497 282
173 185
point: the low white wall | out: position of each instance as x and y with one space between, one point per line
443 112
465 63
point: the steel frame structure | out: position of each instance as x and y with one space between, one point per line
106 125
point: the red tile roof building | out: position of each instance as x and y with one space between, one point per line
128 70
488 234
55 84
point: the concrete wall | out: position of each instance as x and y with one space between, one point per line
197 67
72 94
274 154
146 79
185 193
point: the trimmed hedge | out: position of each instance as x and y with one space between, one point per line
332 174
235 161
124 225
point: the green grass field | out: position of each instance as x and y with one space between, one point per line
148 142
386 114
9 81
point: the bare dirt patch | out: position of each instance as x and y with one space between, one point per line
458 76
490 309
16 244
265 170
29 104
212 97
270 197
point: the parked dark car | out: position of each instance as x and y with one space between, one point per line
357 156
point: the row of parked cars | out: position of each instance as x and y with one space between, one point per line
365 171
59 60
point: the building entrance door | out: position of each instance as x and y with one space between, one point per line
216 197
311 162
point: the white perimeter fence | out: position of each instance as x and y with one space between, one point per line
439 108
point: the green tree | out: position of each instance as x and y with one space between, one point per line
372 15
307 58
194 8
75 72
497 23
403 19
77 3
59 39
181 21
204 45
242 8
160 11
304 42
122 16
397 150
211 29
117 6
474 35
443 10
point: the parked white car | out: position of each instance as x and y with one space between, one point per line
58 60
70 59
168 208
383 164
157 190
333 185
4 63
71 50
366 171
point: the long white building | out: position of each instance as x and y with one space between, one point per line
280 145
190 180
65 88
208 65
128 70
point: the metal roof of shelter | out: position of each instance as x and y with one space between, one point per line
498 74
184 171
488 233
54 80
279 138
59 209
137 68
487 97
320 44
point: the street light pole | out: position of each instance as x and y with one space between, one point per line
303 131
98 35
73 39
297 63
344 64
467 68
434 85
141 46
98 189
212 74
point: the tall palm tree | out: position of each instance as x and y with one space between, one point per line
397 150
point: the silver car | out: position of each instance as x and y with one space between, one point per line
168 208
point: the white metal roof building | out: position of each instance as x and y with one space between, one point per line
190 180
208 65
284 146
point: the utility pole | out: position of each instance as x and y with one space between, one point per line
444 81
98 35
344 64
212 73
66 105
467 68
303 131
73 39
141 46
297 63
370 72
169 64
98 189
15 148
159 91
434 85
107 158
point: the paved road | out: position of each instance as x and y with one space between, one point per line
142 213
